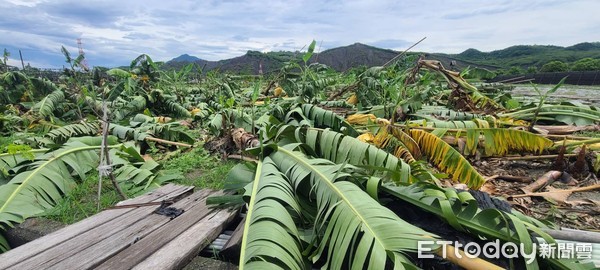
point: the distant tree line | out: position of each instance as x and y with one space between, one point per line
585 64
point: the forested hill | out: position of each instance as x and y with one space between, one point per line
358 54
525 56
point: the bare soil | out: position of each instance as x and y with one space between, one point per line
580 211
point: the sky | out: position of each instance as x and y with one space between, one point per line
115 32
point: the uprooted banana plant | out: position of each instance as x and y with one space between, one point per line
464 95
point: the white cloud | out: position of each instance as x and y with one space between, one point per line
27 3
114 32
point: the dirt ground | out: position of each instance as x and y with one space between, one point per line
578 211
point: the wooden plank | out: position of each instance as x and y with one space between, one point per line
22 253
88 255
177 253
232 247
139 251
166 192
86 239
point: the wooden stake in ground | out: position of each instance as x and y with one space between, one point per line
104 168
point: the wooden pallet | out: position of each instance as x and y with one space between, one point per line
129 237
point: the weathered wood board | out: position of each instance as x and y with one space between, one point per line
130 237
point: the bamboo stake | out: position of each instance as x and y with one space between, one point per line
239 157
105 168
520 81
510 79
404 52
167 142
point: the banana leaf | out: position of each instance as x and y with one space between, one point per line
447 159
352 230
460 210
340 148
33 191
271 238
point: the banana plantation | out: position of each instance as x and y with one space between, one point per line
389 167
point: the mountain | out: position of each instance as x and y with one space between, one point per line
358 54
186 58
340 59
248 63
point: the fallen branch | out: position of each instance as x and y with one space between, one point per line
167 142
543 181
244 158
537 194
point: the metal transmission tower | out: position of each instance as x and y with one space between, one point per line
83 62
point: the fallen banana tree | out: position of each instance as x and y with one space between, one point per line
290 189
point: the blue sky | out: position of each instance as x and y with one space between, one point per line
115 32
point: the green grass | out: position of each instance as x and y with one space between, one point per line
81 202
591 134
200 168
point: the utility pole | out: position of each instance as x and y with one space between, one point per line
22 63
83 62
